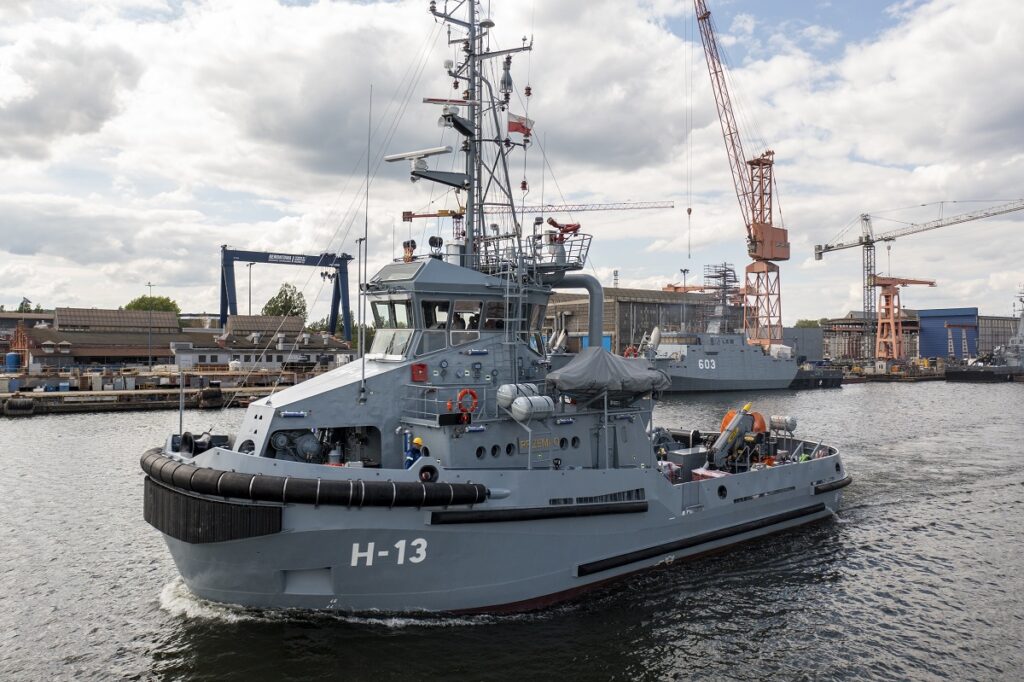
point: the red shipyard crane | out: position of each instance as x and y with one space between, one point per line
754 182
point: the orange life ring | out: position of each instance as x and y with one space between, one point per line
759 424
630 352
472 395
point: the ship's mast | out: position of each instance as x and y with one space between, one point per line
539 259
472 153
480 100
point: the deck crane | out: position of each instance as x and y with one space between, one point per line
889 344
868 238
754 182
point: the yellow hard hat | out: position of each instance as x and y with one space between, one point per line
417 441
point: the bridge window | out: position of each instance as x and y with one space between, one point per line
390 342
465 322
537 343
393 320
536 317
435 314
494 315
431 341
435 325
392 314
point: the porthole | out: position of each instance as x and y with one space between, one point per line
576 442
837 467
480 452
426 451
563 443
722 492
495 450
510 449
248 446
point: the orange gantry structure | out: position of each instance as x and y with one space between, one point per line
889 337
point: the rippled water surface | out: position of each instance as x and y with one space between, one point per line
920 576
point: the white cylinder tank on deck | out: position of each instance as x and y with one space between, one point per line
525 408
782 423
509 392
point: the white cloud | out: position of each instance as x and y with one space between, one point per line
743 24
138 137
59 89
820 36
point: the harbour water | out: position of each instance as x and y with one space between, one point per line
918 577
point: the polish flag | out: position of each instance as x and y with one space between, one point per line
519 124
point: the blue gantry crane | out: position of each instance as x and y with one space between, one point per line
335 266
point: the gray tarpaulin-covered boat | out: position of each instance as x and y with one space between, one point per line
531 486
596 371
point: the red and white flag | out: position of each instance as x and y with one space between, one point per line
519 124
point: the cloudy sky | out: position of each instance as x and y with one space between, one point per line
137 136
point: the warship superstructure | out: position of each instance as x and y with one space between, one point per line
1013 352
717 358
531 486
723 362
1006 362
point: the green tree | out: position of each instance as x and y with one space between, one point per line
287 301
339 331
318 326
157 303
805 324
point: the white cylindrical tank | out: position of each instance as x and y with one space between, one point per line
525 408
509 392
781 423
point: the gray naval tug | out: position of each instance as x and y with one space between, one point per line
534 484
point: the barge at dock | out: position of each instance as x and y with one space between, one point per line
75 402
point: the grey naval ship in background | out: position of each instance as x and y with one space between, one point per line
534 484
718 358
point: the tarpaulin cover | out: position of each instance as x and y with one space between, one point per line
595 370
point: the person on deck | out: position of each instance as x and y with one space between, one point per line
414 452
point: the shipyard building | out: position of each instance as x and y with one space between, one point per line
89 338
959 333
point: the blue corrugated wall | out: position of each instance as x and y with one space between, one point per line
934 340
